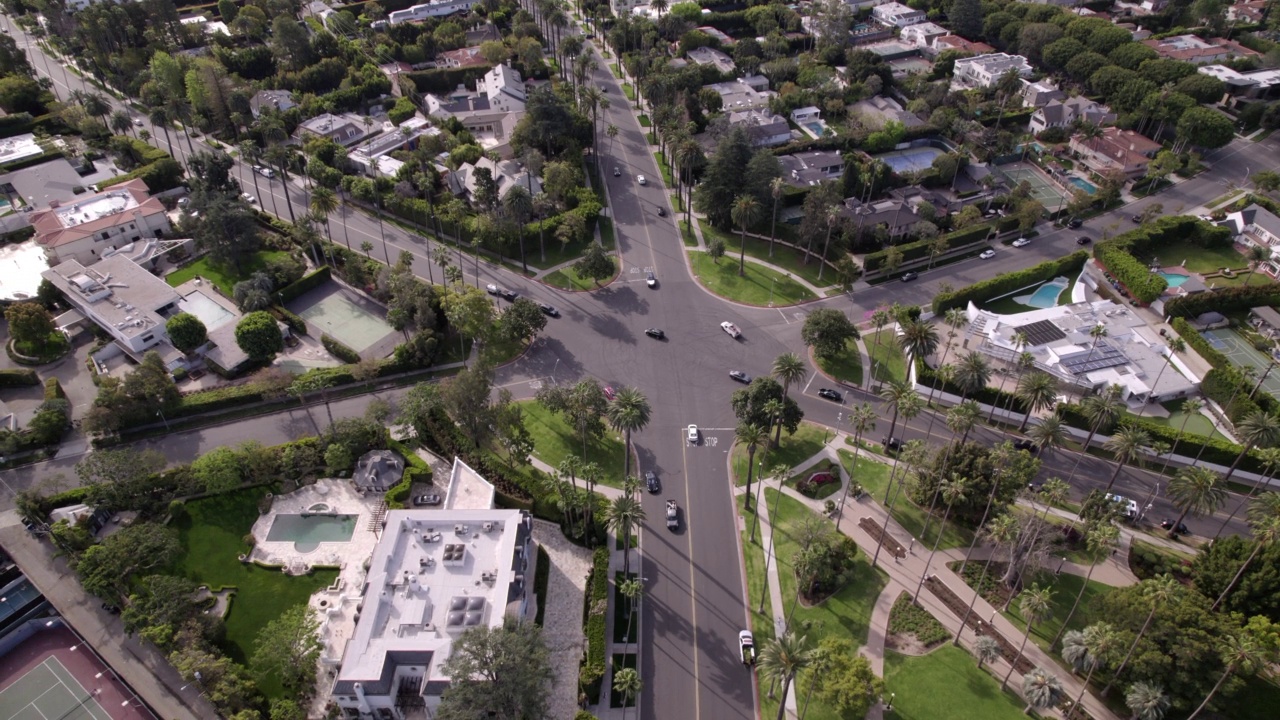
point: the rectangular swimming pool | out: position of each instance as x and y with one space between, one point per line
206 309
308 530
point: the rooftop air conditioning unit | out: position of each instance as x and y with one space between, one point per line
487 527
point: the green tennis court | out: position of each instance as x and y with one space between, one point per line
48 691
1042 189
346 316
1242 354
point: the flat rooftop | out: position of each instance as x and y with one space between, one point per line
97 207
117 291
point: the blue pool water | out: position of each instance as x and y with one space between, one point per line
308 531
1174 279
1045 296
913 159
816 127
1085 186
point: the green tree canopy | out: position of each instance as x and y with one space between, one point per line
827 331
498 672
186 331
258 335
289 647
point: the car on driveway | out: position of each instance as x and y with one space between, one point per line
609 392
509 295
692 433
427 500
830 394
651 482
491 289
732 329
1021 242
909 276
641 181
549 310
1083 240
740 376
656 334
987 254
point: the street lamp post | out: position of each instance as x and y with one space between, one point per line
775 282
163 418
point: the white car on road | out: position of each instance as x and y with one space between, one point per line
1021 242
732 329
692 434
987 254
247 197
640 179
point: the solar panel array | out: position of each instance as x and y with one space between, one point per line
1041 332
1101 356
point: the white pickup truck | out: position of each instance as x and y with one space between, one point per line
747 644
673 515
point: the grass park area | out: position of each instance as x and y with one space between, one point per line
847 366
568 278
554 440
874 478
791 451
760 286
225 278
1065 588
888 364
1200 259
557 252
212 534
1196 424
686 234
787 258
946 683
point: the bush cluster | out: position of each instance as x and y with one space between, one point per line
981 292
928 377
920 248
1223 300
295 323
597 608
339 349
1146 562
288 293
907 618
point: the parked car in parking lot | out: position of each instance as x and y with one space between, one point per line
427 500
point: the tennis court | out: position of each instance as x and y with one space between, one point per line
1042 189
48 691
346 316
1242 354
914 159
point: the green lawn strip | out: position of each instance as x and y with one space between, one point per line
629 91
223 277
757 596
757 287
554 440
644 120
787 258
946 683
874 478
504 351
620 610
662 167
1065 587
212 535
1197 424
605 225
889 364
791 451
558 252
1199 259
1257 700
846 367
568 279
690 240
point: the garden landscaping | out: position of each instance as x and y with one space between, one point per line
791 451
874 478
888 363
845 367
785 257
554 440
224 278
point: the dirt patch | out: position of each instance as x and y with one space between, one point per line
907 644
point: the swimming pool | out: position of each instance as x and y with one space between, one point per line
206 309
816 128
1045 296
1085 186
308 531
1174 279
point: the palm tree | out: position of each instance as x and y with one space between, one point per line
1041 689
900 396
1242 653
1100 539
1036 605
1019 342
777 188
569 468
1191 406
1101 410
159 117
962 418
1256 256
782 659
952 491
1270 458
1176 346
631 589
986 649
624 513
789 370
918 339
1126 445
1266 531
861 418
750 435
745 213
626 682
1147 701
879 318
1195 491
972 373
518 204
629 412
1051 433
773 409
1003 531
323 202
120 122
1089 650
1097 332
1038 391
914 453
1258 429
1159 591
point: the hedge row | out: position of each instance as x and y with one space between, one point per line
926 376
1144 285
22 123
1225 384
27 162
1223 300
595 612
53 389
288 293
921 248
339 349
445 80
1210 450
1117 255
1197 342
18 378
295 323
1009 282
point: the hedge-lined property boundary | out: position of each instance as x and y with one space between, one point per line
1118 255
289 293
920 249
1215 450
1223 300
999 285
594 614
18 378
1225 384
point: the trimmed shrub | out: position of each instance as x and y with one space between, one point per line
295 323
1117 255
445 80
926 376
1144 285
1223 300
53 389
339 350
18 378
1199 344
981 292
594 614
920 249
289 293
1210 450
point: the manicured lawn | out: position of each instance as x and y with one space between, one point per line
690 240
568 279
554 440
887 361
224 277
791 451
753 551
664 169
1199 259
1197 424
946 683
558 252
874 477
1065 587
1258 700
847 366
784 257
846 614
760 286
212 532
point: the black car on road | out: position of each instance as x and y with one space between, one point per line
893 444
830 394
909 276
656 334
549 310
1167 524
509 295
651 482
1083 240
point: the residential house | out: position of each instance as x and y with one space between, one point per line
506 175
1258 84
19 147
921 34
874 112
807 114
955 42
461 58
895 215
434 8
713 57
746 93
1116 149
1040 93
1247 13
1193 49
270 101
88 228
342 129
482 33
765 128
984 71
373 156
490 113
1256 225
719 35
1062 113
895 14
806 169
121 297
624 7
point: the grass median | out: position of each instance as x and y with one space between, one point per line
554 440
760 285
